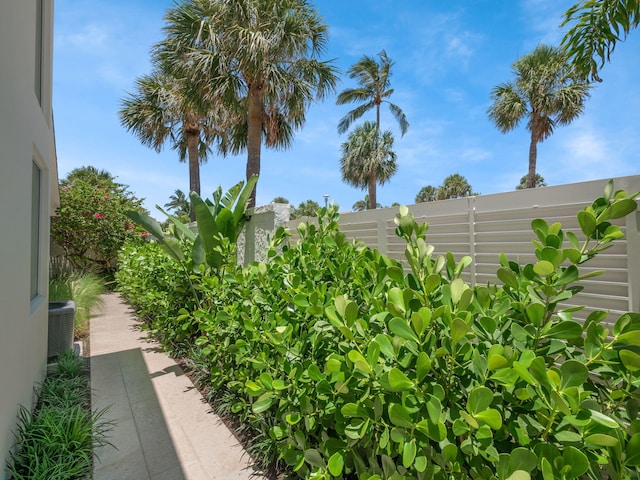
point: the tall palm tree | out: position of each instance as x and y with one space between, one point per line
374 80
179 203
161 111
260 57
545 91
368 159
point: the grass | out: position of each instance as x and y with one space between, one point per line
83 288
55 440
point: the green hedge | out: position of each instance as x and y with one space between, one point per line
345 365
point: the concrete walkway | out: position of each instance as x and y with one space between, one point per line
164 429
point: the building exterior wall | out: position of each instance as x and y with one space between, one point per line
26 139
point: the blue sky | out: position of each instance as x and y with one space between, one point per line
448 56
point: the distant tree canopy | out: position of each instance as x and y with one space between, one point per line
279 200
308 208
453 186
426 194
539 182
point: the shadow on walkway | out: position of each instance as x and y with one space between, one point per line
145 450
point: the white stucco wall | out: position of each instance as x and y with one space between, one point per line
26 136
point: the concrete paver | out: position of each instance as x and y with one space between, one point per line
164 430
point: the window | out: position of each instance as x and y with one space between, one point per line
35 228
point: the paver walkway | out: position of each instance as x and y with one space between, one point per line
164 429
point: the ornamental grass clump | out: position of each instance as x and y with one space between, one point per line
55 440
347 364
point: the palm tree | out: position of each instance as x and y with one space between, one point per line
179 203
597 25
426 194
539 182
368 159
362 205
454 186
374 81
161 110
260 57
546 92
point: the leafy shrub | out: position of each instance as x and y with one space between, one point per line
346 366
90 225
154 284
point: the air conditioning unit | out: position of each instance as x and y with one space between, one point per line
61 319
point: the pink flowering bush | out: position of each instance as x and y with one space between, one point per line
90 226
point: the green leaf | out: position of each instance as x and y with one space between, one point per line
398 381
479 400
396 298
577 460
359 361
409 453
535 313
399 416
386 347
547 469
401 328
147 222
350 313
497 361
602 440
336 464
630 338
423 366
587 223
458 330
263 403
434 409
491 417
243 198
543 268
622 208
630 360
350 410
507 277
603 419
632 451
457 288
396 274
314 458
538 370
519 475
574 374
565 330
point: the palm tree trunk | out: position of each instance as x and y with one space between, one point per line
533 155
192 130
254 137
372 193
